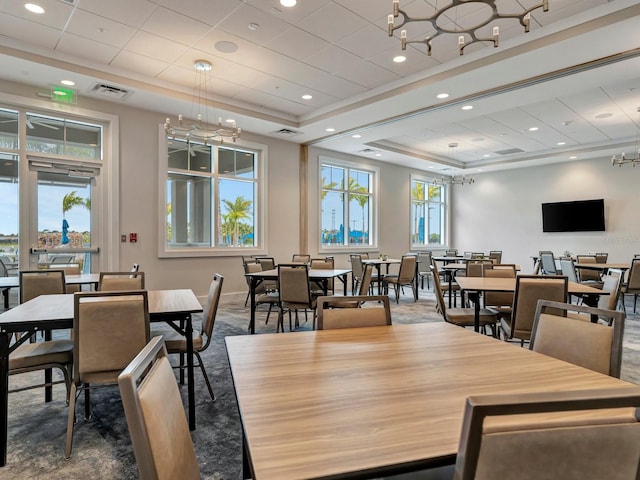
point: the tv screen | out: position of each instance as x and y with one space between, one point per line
579 216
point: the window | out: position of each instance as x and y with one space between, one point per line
211 194
59 136
428 207
347 205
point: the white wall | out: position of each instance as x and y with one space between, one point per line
502 211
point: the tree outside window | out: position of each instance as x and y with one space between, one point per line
427 213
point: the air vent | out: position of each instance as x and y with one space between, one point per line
509 151
110 91
368 151
68 2
285 132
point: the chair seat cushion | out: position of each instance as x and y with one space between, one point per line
29 355
174 342
466 316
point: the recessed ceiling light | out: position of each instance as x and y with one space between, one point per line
467 107
479 170
533 129
561 143
443 95
572 157
69 83
378 154
33 8
399 58
306 96
330 129
288 3
486 155
430 166
357 135
230 120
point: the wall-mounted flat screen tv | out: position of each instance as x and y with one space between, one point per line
578 216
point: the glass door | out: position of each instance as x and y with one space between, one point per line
9 214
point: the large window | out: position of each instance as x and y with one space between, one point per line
347 205
428 207
211 196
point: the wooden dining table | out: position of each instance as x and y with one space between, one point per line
475 286
375 401
55 312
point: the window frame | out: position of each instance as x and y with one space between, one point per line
373 205
445 205
215 250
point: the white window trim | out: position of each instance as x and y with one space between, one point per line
447 210
109 236
260 214
373 234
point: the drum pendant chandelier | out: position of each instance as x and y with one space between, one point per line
466 35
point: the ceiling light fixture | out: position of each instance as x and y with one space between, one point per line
466 35
636 152
33 8
288 3
202 130
453 181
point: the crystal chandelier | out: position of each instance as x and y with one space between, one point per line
635 158
467 35
202 130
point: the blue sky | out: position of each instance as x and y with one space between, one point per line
50 209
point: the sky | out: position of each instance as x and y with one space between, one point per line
50 209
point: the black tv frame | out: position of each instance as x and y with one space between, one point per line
574 216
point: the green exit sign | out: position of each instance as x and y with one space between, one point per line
63 95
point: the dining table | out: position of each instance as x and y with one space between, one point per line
375 401
6 283
475 286
55 312
320 275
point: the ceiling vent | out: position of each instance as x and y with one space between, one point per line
286 132
368 151
509 151
109 91
68 2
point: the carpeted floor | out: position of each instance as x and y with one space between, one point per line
102 448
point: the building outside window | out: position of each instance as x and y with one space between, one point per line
211 196
347 205
428 207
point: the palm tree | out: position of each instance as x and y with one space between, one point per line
238 209
362 200
71 200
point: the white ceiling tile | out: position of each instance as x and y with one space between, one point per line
332 22
370 11
210 12
155 47
56 13
130 13
368 41
139 63
289 15
367 74
179 28
100 29
297 43
332 59
84 47
29 32
269 26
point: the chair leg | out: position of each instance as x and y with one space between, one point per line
396 289
70 421
87 402
247 299
206 377
635 300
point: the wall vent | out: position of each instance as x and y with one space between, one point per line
110 91
286 132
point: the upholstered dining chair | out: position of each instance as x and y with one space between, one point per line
47 354
547 263
501 302
176 343
110 328
590 345
268 263
424 268
496 256
406 276
632 285
112 281
301 257
529 289
294 293
340 301
586 274
326 263
71 270
502 438
264 295
155 415
463 317
357 269
373 310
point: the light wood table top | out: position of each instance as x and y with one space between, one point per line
491 284
82 279
604 266
340 402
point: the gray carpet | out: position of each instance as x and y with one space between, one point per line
102 448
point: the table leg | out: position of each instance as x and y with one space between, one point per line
252 321
246 459
4 393
190 376
475 298
379 269
450 280
5 294
48 377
